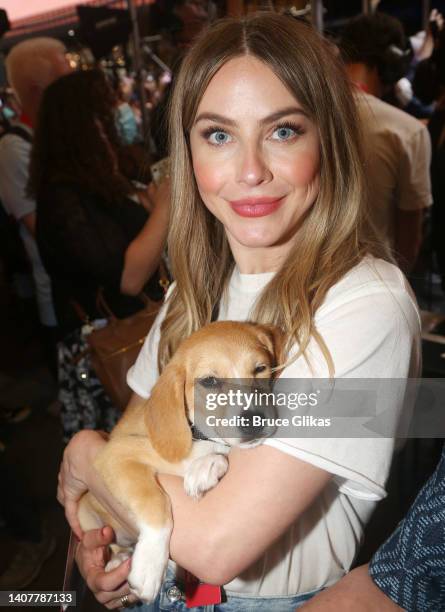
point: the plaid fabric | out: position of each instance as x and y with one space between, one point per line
410 566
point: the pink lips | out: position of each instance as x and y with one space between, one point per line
255 207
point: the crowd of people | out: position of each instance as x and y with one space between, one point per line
299 195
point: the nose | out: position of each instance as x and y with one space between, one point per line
253 167
251 425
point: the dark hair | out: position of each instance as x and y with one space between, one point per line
76 138
429 78
379 41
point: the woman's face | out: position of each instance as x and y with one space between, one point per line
256 160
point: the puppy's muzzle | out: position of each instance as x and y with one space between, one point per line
252 425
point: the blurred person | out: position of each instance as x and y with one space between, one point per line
31 66
397 146
93 229
126 124
408 570
422 46
430 86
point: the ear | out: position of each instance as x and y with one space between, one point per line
165 416
274 340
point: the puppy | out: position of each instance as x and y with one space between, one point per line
155 437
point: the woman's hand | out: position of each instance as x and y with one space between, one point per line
77 460
155 196
355 592
160 195
109 588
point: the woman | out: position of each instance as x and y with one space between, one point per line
93 230
267 225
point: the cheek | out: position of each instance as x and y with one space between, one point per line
301 172
209 177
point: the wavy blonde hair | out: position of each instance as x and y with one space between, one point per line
335 233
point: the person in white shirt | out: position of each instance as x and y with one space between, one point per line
397 146
268 224
31 66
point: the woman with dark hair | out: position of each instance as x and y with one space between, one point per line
94 230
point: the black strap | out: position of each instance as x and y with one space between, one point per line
215 313
16 130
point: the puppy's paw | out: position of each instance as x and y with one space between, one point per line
149 562
116 560
204 473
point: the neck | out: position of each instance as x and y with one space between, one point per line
24 118
250 260
365 78
30 104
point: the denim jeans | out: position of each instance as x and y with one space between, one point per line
164 603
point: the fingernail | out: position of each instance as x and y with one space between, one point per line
103 531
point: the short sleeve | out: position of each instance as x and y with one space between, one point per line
414 189
142 376
372 330
14 162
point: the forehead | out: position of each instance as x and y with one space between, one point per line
245 85
223 354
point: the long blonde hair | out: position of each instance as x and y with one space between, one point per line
333 237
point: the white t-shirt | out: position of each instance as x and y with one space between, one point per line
398 156
14 163
370 323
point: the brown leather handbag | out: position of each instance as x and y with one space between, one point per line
115 347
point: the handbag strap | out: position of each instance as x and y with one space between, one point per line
164 279
80 311
215 313
103 306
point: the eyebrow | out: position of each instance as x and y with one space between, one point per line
290 110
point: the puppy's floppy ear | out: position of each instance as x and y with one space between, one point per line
274 340
165 415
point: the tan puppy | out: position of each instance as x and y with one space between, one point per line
155 437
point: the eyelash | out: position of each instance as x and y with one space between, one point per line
299 131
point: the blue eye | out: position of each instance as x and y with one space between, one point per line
218 137
284 133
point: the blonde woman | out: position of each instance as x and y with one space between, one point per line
267 225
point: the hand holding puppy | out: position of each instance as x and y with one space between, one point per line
77 459
92 555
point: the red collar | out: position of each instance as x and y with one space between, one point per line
26 120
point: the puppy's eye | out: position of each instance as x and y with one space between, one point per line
209 382
259 369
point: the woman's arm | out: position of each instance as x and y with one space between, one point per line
143 254
356 592
262 494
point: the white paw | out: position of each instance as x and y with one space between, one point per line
149 562
204 473
116 560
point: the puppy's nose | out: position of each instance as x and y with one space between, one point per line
251 424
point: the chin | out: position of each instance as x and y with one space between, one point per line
257 239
